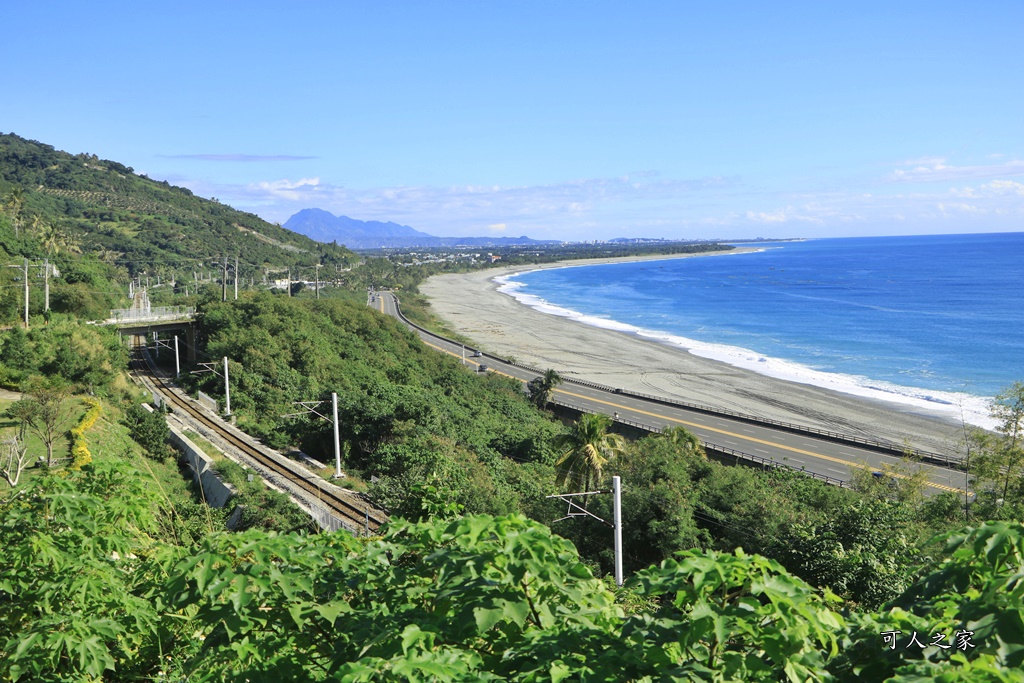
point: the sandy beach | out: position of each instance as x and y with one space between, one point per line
471 304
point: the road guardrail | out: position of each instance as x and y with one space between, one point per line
886 447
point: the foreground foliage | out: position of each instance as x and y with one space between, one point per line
91 590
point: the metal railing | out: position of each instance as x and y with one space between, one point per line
136 315
739 457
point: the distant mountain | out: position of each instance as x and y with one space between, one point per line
356 234
326 227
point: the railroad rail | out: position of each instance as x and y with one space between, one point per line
356 516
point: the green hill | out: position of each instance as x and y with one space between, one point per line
57 203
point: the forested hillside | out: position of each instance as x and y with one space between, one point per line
82 204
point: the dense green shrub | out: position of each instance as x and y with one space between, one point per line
89 590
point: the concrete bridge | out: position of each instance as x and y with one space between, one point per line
154 322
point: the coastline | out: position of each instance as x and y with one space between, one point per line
472 305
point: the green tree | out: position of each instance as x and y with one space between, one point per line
76 583
45 411
973 586
658 501
864 551
904 481
149 429
999 462
684 441
19 357
540 388
586 449
729 617
55 240
14 204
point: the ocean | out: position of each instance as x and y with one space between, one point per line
934 322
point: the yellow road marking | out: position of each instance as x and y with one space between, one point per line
700 426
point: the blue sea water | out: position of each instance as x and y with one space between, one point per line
933 321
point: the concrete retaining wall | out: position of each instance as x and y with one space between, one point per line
208 402
216 492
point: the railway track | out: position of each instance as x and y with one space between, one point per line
353 515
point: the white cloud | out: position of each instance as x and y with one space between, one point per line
277 185
647 205
1006 187
938 171
763 217
996 188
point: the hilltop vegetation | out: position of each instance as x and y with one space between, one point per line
59 204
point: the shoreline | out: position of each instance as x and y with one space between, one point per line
471 304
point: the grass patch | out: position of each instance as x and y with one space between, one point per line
416 308
215 454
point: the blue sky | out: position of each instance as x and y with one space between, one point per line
563 120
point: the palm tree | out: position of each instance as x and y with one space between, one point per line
586 449
54 239
685 440
47 233
540 388
15 202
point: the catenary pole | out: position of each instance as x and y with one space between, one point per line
577 510
617 507
337 438
177 365
236 277
227 389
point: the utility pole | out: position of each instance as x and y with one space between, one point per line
289 282
318 282
224 281
46 284
26 293
236 277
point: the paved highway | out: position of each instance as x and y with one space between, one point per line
824 458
